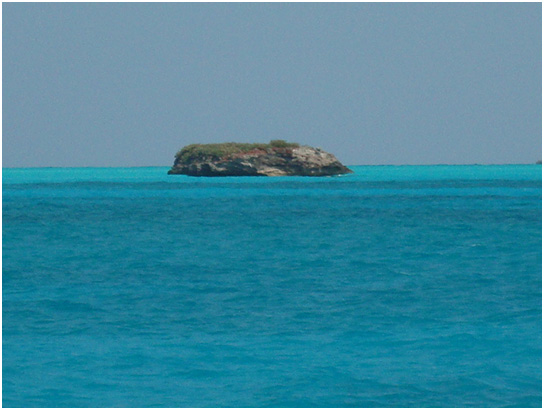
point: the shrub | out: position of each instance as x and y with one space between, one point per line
217 151
283 144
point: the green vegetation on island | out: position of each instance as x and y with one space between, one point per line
216 151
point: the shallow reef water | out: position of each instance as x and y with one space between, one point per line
411 286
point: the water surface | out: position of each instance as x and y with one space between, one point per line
392 287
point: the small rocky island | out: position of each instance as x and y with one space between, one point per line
277 158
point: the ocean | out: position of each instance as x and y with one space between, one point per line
396 286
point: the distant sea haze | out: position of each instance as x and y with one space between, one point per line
395 286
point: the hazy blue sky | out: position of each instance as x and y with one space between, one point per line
122 84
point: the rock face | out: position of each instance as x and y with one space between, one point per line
278 158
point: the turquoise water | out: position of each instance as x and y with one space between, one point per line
392 287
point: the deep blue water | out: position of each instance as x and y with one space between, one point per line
393 287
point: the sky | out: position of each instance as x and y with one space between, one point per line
129 84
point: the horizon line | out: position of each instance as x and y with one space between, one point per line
352 165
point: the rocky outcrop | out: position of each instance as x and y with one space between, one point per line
275 159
